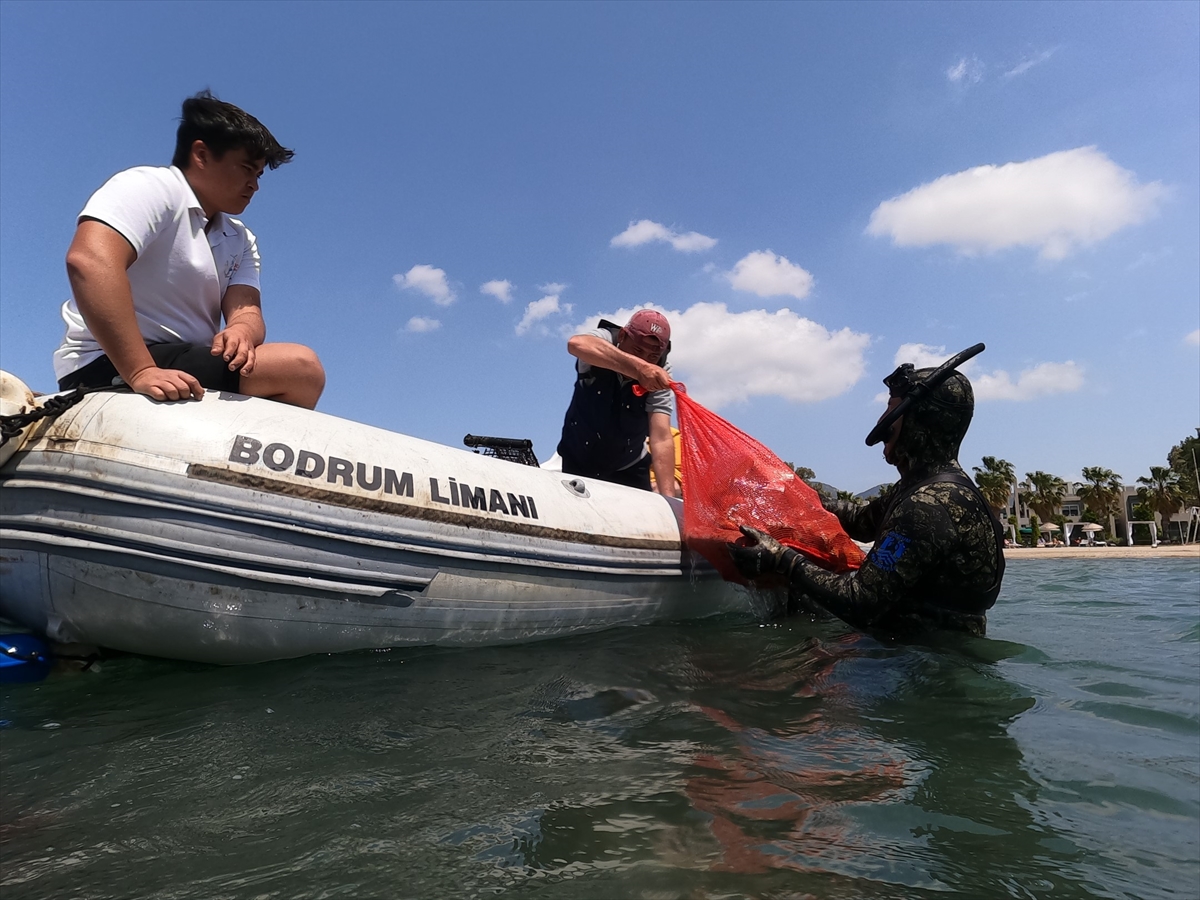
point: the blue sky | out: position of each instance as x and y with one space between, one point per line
811 191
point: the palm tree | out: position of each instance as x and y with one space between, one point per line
1044 494
995 482
1102 493
1182 459
1161 492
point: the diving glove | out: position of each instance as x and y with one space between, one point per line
763 556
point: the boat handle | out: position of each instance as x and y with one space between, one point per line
577 487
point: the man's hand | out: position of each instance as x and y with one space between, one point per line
165 384
236 346
762 556
652 377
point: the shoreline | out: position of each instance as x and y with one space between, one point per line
1162 551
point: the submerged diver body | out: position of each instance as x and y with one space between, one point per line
938 560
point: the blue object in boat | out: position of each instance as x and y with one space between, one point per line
23 658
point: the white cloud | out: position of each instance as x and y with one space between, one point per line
420 325
1194 338
767 275
725 357
966 71
552 287
645 232
1044 378
1072 198
541 309
501 290
429 281
1038 381
924 356
1029 62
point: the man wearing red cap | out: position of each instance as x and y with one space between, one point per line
606 428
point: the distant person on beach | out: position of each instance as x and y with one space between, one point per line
157 261
938 559
607 425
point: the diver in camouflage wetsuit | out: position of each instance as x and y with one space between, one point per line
938 559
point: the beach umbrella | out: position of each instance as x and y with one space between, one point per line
1050 526
1092 526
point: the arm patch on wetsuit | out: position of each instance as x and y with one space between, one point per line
888 552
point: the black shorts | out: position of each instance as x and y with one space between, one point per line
195 359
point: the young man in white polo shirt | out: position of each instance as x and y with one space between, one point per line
157 261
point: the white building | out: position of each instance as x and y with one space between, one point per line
1178 528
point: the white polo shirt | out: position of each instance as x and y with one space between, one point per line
181 272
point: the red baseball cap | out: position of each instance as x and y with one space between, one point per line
651 325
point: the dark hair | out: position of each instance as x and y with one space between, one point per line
223 127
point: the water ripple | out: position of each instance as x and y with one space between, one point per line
1056 758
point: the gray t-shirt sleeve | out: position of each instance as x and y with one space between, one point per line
661 401
656 401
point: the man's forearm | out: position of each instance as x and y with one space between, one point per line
846 595
252 321
662 461
600 353
105 300
241 306
97 261
860 520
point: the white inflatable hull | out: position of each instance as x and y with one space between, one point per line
235 530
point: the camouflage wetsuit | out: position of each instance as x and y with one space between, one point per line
938 559
936 562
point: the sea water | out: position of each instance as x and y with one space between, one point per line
1058 758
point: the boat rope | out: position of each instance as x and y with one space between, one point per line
11 426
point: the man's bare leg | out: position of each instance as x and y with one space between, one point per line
288 373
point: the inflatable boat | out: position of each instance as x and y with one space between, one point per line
238 530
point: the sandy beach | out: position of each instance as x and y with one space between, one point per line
1162 551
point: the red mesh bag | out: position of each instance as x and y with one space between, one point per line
730 479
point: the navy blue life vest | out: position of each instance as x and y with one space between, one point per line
606 425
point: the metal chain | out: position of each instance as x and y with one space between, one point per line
11 426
